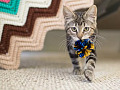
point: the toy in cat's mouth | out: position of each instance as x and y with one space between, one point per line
83 47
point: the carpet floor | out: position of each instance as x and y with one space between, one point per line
53 71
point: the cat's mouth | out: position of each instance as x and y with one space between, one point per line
91 38
85 37
82 36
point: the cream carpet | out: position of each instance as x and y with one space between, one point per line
53 71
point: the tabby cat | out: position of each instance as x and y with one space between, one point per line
81 25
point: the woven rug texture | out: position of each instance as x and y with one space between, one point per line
54 72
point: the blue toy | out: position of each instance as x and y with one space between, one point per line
83 47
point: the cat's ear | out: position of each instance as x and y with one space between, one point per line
68 14
91 14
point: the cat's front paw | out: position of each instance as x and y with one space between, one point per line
89 75
77 71
89 70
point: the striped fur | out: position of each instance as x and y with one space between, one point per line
81 25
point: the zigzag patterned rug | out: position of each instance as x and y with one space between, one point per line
24 24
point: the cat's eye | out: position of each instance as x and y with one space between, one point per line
74 29
86 29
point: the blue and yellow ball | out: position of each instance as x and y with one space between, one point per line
83 48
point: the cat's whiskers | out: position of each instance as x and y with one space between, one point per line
62 43
101 37
65 48
63 35
98 44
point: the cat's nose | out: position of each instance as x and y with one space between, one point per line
80 35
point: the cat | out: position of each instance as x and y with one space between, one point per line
81 25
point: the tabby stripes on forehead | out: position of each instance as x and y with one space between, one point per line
79 18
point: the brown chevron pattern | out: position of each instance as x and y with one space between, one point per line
26 30
31 35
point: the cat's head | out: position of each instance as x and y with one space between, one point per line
80 25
